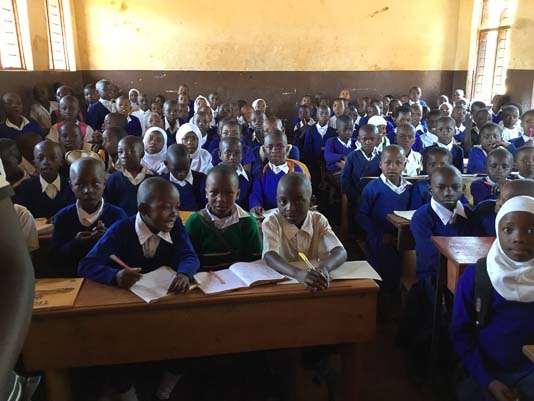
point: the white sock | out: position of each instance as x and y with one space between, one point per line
167 383
130 395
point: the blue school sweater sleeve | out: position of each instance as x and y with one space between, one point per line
134 126
481 191
294 153
365 215
330 154
476 162
185 260
256 196
420 194
307 153
349 179
427 255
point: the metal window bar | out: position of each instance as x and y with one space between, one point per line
56 36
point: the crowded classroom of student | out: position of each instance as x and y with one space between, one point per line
212 201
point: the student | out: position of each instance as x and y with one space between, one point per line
69 109
490 344
115 120
11 160
524 161
202 120
223 233
70 138
417 119
446 111
231 153
190 184
122 185
481 118
301 124
444 216
445 133
527 128
433 158
99 110
155 143
338 148
415 97
490 138
263 195
224 112
42 107
15 123
47 193
133 96
78 227
133 126
338 108
459 114
362 162
403 115
381 124
26 143
156 107
110 147
510 123
430 138
256 128
380 197
191 137
170 119
406 138
259 105
232 129
294 228
153 120
499 165
90 96
143 111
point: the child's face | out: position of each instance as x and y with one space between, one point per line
257 121
183 90
183 111
155 121
88 186
12 105
246 113
231 154
339 107
214 100
222 192
231 131
445 132
202 122
159 99
459 114
11 164
154 142
434 161
275 150
261 106
269 125
405 139
190 141
415 94
179 167
404 118
162 212
515 236
458 94
372 110
90 95
393 105
306 100
323 115
48 158
110 143
446 188
490 138
525 163
183 98
304 113
417 115
62 91
368 139
482 118
143 102
442 99
527 123
293 203
170 111
345 94
510 190
225 110
69 109
134 96
106 92
499 166
123 106
392 164
432 123
201 102
344 131
70 137
130 154
445 109
234 110
510 117
155 108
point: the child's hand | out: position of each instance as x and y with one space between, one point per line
340 164
501 143
97 137
85 236
502 392
128 277
312 279
257 211
100 229
51 220
324 271
180 284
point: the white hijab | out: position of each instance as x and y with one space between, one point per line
155 162
255 103
134 105
201 158
514 281
195 106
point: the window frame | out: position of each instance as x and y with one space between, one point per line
19 41
51 62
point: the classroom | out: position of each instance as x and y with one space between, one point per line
291 200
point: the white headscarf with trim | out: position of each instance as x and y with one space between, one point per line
155 161
201 158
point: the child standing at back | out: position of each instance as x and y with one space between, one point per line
414 161
231 153
170 117
510 122
133 124
445 132
98 110
499 165
337 149
69 109
110 147
338 107
490 138
144 109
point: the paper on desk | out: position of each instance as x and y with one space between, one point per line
405 214
154 285
353 270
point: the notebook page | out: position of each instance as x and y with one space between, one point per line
210 283
354 270
405 214
254 272
154 285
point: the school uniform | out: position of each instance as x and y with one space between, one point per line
358 165
98 112
435 219
27 226
11 131
495 118
142 116
457 154
121 188
264 186
132 241
428 139
508 134
42 115
192 190
520 141
171 130
134 126
315 141
414 164
43 199
86 130
484 213
210 136
260 160
417 145
239 231
248 153
245 187
71 220
335 150
201 158
476 163
420 102
420 194
482 189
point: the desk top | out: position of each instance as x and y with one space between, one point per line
528 350
463 250
398 222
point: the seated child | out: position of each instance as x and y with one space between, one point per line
133 124
110 147
510 122
430 137
78 227
338 108
42 107
156 107
98 110
44 195
189 183
459 113
499 165
406 138
122 185
133 95
338 148
362 162
380 197
191 136
489 328
444 215
417 119
15 123
263 196
490 138
255 131
414 97
69 109
11 159
115 120
230 150
445 133
170 119
382 125
231 128
155 143
524 161
403 115
301 124
481 118
142 113
202 120
70 137
527 130
90 96
153 120
446 111
294 228
223 233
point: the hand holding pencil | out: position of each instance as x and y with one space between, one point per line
128 276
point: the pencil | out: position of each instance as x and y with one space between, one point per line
217 277
120 262
308 263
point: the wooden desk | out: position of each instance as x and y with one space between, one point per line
108 325
528 350
405 240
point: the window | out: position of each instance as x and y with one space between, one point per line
56 36
11 55
493 49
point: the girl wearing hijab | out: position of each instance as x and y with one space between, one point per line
491 351
202 104
155 142
191 137
133 95
259 105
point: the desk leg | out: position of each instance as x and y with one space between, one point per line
351 365
58 385
436 323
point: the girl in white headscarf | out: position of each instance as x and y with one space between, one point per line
491 350
133 94
189 135
155 141
201 102
259 105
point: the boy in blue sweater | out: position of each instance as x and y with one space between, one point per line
337 149
499 165
445 132
524 161
44 195
380 197
15 123
79 226
190 184
98 110
231 153
231 128
124 107
122 185
490 138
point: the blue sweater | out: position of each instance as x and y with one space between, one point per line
192 197
96 114
66 250
334 151
457 156
314 143
31 195
356 167
485 214
258 164
518 142
420 194
417 145
121 192
12 133
245 188
134 126
481 190
497 346
426 223
248 153
122 240
476 163
264 188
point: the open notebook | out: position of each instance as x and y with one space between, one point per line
353 270
56 292
239 275
405 214
153 286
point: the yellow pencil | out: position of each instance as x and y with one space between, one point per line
308 263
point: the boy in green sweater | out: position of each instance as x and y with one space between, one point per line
223 233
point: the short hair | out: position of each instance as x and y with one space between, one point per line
122 97
500 151
407 126
296 180
135 140
229 122
521 150
170 103
434 112
225 171
446 169
510 108
414 87
117 115
151 188
276 133
339 99
447 119
402 109
276 121
324 107
230 140
531 111
87 162
345 120
178 150
101 83
483 110
70 98
116 132
9 147
478 103
89 87
489 126
435 151
370 128
416 106
459 106
393 148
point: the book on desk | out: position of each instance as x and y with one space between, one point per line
54 293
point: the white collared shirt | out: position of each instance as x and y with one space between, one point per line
174 128
445 215
448 147
51 189
375 152
282 167
348 145
223 222
428 139
508 134
241 171
88 219
148 240
460 129
138 178
187 180
332 122
414 164
421 128
108 104
322 130
397 189
20 127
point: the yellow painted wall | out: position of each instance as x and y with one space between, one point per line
286 35
522 34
